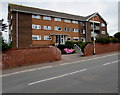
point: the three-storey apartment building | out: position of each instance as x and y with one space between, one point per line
37 27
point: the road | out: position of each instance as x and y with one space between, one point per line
96 75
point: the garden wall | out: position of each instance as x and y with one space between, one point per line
26 56
101 48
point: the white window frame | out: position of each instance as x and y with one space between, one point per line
75 22
36 16
47 38
34 26
102 24
83 31
66 29
82 38
47 27
103 32
67 38
57 19
38 37
46 18
67 20
56 28
75 38
75 30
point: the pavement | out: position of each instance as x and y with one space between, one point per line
93 74
65 59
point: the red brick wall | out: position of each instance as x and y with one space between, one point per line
101 48
25 56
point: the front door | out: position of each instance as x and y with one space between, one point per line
60 39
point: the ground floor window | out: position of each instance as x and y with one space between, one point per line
47 38
75 38
36 37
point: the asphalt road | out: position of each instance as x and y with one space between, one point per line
97 75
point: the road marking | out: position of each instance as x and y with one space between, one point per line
111 62
56 77
88 59
26 71
54 66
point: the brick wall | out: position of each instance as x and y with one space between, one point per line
26 56
101 48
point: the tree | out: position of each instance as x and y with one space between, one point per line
117 35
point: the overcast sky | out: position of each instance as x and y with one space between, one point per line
108 9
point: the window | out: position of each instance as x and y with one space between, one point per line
36 16
36 26
66 20
102 25
75 30
83 31
82 23
46 18
57 19
47 27
75 22
103 32
36 37
83 39
58 28
47 38
76 38
68 38
67 29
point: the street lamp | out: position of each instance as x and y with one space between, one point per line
93 34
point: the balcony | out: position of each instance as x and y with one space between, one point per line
95 27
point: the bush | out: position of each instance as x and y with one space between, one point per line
117 35
4 46
103 40
69 44
114 40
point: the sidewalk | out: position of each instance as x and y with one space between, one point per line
65 59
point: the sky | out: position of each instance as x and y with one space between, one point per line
108 9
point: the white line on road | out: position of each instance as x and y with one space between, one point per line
111 62
56 77
54 66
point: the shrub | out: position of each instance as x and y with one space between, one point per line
69 44
117 35
103 40
114 40
4 46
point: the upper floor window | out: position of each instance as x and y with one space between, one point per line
82 23
47 27
103 32
75 22
76 38
66 20
36 37
102 25
75 30
47 38
67 29
36 26
46 18
36 16
57 19
58 28
83 31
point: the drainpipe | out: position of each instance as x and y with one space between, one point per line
17 29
